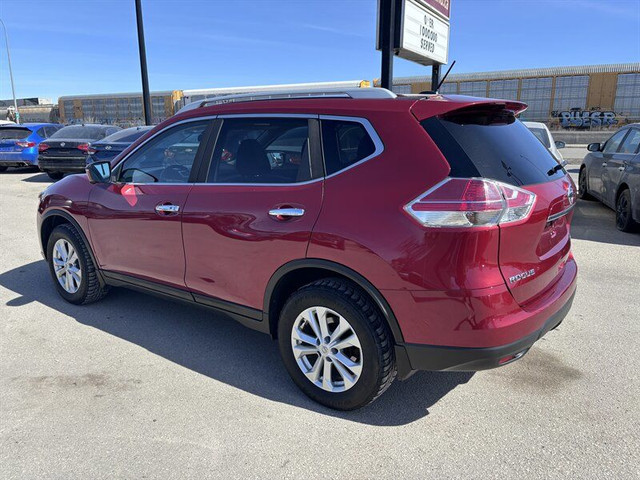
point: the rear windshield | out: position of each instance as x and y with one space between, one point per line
80 132
541 135
13 133
128 135
492 144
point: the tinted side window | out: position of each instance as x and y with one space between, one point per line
614 142
167 158
631 143
344 143
261 150
492 144
42 132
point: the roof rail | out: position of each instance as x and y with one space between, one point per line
356 93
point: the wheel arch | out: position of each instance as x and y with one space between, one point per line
621 188
54 217
297 273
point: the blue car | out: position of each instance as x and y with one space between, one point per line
19 143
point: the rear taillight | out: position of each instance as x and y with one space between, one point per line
42 147
84 147
26 144
471 202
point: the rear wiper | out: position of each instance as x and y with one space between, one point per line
560 166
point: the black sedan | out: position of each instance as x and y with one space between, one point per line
66 150
109 147
611 174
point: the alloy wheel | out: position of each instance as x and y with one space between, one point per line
622 211
66 266
327 349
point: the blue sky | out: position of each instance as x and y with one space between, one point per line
89 46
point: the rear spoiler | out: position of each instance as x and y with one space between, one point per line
442 104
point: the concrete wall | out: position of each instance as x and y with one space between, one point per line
573 137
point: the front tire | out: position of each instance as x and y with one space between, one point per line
72 268
583 191
335 344
624 217
55 175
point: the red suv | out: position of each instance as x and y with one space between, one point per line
372 234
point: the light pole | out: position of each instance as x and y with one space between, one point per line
13 89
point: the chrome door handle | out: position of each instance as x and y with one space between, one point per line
604 164
621 169
280 213
167 208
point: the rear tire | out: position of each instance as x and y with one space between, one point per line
583 191
362 366
68 257
55 175
624 217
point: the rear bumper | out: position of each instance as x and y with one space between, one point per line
476 332
430 357
62 164
18 159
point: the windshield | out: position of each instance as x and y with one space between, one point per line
541 134
80 132
491 143
14 133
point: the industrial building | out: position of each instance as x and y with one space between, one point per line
582 97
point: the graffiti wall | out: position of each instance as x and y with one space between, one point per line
586 119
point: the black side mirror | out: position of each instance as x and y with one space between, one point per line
99 172
594 147
560 144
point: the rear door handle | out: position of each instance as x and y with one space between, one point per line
604 164
167 209
284 213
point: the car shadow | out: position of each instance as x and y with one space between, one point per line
39 177
594 222
213 345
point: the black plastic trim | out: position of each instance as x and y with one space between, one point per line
249 317
432 357
352 275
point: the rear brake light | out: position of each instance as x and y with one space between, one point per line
471 202
84 147
42 147
26 144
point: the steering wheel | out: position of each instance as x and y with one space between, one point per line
176 173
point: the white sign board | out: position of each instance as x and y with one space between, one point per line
425 36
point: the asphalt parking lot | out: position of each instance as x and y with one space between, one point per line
139 387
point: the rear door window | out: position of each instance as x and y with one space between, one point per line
492 143
345 143
261 150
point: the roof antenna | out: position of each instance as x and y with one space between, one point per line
441 81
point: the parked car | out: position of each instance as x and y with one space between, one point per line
66 150
542 133
109 147
371 234
19 143
610 172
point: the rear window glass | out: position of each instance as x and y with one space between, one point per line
13 133
344 144
80 132
492 144
126 136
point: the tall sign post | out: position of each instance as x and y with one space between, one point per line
419 30
146 98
